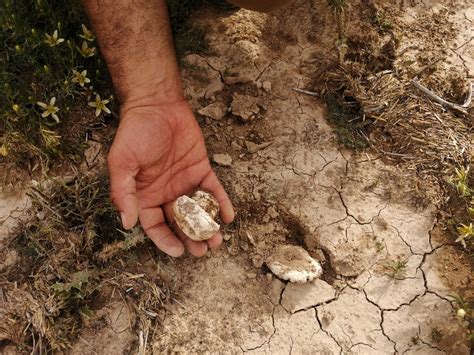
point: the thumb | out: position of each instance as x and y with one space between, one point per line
123 191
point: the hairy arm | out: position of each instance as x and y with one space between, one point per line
158 153
135 39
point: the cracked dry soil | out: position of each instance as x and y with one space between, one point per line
293 184
351 211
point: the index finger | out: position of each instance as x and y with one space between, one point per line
154 224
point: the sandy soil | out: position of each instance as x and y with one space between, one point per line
293 184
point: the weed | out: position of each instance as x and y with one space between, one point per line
465 313
396 268
349 126
227 72
379 246
48 70
73 248
436 335
338 7
465 232
461 181
382 23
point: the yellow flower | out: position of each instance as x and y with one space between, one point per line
465 232
49 109
87 34
85 50
16 108
53 40
80 78
99 105
3 150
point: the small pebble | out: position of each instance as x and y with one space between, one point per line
267 86
222 159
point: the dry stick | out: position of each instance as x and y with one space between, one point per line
311 93
458 108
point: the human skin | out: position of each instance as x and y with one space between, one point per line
158 152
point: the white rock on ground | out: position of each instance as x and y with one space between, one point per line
192 220
222 159
303 296
215 111
294 264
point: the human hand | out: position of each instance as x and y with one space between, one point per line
158 154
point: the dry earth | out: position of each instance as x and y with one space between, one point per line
292 184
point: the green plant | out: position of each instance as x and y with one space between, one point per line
465 232
381 21
465 313
338 8
461 181
49 69
379 246
348 124
396 268
436 335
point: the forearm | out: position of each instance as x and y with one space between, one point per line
136 41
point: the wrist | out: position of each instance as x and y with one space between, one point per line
149 92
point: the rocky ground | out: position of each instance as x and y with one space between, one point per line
389 268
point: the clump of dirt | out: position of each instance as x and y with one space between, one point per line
73 260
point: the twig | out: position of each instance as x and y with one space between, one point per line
458 108
311 93
468 100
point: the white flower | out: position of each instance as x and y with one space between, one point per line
85 50
87 34
80 77
461 313
53 40
99 105
49 109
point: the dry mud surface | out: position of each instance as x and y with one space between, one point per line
292 184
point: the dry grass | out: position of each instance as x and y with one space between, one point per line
70 254
406 126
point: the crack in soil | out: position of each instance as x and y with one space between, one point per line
327 332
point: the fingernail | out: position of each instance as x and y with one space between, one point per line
122 217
